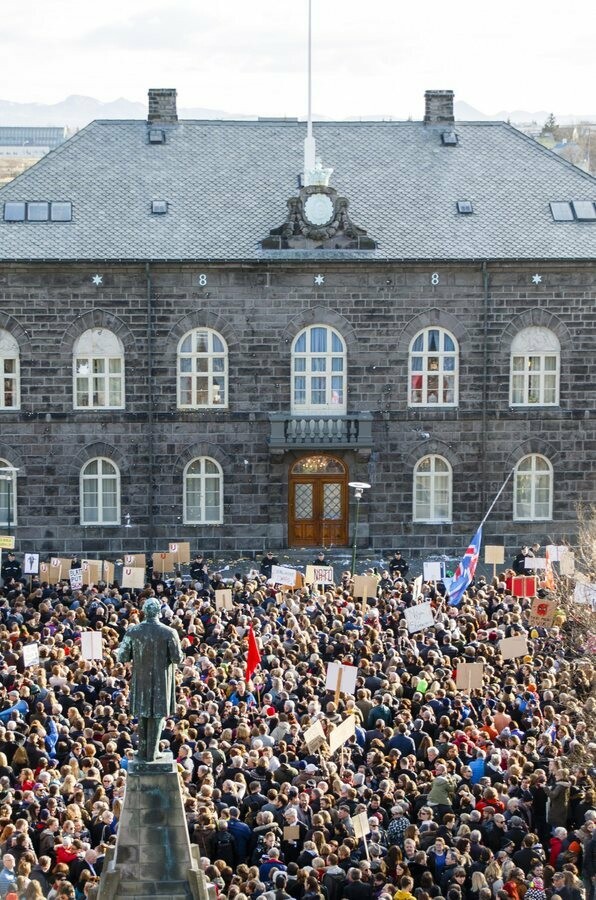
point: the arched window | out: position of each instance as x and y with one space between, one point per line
100 492
432 490
533 489
202 370
319 371
8 494
433 377
203 492
535 356
98 370
10 379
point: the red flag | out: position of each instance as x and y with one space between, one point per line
254 657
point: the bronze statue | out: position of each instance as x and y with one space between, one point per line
154 650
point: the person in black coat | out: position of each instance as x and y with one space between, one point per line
397 565
268 561
11 569
519 561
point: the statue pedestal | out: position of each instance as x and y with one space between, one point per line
153 855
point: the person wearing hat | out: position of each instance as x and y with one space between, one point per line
398 566
267 563
11 569
198 567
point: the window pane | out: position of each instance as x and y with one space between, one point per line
336 344
98 366
337 365
115 366
219 391
202 389
218 346
186 365
186 391
115 392
300 364
518 363
449 345
186 346
319 365
318 388
337 389
550 363
201 364
418 345
300 390
318 340
433 340
201 342
300 345
218 364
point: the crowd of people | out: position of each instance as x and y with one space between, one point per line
486 794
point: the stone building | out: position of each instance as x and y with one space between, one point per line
201 341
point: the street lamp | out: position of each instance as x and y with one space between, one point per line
10 479
359 488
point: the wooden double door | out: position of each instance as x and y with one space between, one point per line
318 502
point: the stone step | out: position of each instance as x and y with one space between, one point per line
157 890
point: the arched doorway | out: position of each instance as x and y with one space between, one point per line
318 507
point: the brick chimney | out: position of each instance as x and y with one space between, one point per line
438 107
162 106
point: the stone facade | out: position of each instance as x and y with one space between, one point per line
259 308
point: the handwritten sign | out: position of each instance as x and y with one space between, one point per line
319 575
133 577
91 645
283 575
314 736
7 542
512 647
342 733
31 655
76 579
365 586
417 589
542 612
346 675
419 617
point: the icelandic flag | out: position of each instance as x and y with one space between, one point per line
465 570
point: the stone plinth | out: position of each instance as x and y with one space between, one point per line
153 856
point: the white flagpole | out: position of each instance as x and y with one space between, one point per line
501 489
309 143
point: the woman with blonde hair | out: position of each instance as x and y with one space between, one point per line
493 875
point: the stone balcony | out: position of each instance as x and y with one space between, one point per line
350 432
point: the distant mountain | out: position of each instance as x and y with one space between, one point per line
76 111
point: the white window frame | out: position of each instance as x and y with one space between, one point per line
534 344
210 373
432 478
425 354
10 479
100 477
534 474
307 358
9 352
97 345
201 477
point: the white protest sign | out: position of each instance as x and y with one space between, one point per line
341 734
556 552
30 655
91 645
283 575
76 579
360 825
495 554
319 575
223 599
133 577
419 617
345 674
567 563
535 562
433 571
314 736
31 564
585 593
512 647
417 589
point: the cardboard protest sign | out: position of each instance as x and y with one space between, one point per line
344 675
513 647
419 617
107 571
91 645
283 575
360 825
314 736
469 676
181 551
291 833
133 577
76 579
59 568
494 554
319 575
542 612
31 654
91 570
223 599
433 571
44 570
134 560
365 586
7 542
342 733
163 562
31 564
567 563
535 562
417 589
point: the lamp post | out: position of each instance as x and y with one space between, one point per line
10 479
359 488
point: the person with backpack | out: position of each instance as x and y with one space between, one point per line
223 845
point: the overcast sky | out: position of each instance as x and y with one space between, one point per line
248 56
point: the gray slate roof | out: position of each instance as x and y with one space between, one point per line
227 184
